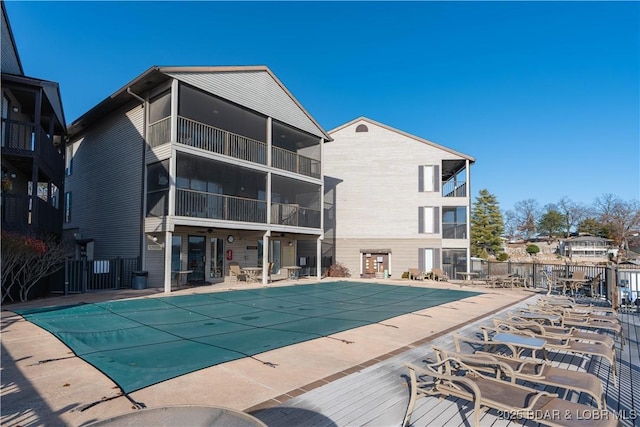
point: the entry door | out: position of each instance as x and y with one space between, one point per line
196 257
373 264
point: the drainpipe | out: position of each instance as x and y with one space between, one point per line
144 171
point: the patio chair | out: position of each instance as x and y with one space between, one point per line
269 268
556 331
454 378
569 302
532 371
439 275
415 274
552 343
235 271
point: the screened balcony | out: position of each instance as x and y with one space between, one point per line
295 203
218 126
454 178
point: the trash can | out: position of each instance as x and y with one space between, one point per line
139 280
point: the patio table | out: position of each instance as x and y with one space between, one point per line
252 273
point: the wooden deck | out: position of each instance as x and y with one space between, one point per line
378 395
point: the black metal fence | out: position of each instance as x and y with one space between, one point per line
97 275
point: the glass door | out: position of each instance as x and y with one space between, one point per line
216 257
195 258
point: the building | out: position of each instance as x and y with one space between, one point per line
195 169
395 201
587 247
32 141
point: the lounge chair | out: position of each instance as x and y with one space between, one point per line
556 331
532 371
551 343
415 274
453 377
569 302
439 275
235 271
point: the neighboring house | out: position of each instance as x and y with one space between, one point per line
32 143
196 168
587 246
395 201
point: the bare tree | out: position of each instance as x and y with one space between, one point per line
620 216
572 212
26 260
511 225
527 213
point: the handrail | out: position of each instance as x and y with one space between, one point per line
219 206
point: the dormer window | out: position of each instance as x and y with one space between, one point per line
362 128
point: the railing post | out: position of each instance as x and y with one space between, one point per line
66 276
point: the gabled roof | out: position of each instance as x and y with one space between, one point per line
254 87
10 62
51 92
408 135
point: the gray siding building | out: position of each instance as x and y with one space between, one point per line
196 169
394 201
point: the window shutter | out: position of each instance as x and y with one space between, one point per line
436 219
420 219
436 178
421 179
420 259
436 259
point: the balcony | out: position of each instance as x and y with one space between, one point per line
201 204
295 215
454 189
21 139
214 140
17 215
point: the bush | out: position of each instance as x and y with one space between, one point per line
338 270
405 275
502 256
533 249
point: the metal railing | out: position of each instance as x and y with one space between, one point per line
218 206
209 138
205 137
20 138
97 275
294 162
288 214
454 189
159 132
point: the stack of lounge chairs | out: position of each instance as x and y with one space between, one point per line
496 376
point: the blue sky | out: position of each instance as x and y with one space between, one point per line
545 95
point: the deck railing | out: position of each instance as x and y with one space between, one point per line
294 162
454 189
291 214
209 138
20 138
218 206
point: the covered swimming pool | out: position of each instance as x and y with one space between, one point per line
141 342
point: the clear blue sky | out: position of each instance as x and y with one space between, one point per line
545 95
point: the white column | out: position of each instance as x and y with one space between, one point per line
319 258
167 262
265 257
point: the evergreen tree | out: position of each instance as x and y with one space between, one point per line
487 226
552 224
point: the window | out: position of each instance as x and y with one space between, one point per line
428 219
454 222
176 253
454 261
68 160
428 178
362 128
158 189
67 206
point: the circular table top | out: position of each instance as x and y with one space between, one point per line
185 415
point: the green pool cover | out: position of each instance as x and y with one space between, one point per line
141 342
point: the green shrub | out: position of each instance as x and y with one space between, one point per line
533 249
502 256
405 275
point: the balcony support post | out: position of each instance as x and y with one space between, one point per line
265 257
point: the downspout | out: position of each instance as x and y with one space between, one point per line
143 199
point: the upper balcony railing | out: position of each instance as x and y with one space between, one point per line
209 138
454 189
20 138
201 204
291 214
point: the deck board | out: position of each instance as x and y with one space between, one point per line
379 394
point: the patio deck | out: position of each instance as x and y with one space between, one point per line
379 394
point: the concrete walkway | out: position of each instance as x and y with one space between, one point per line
43 383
